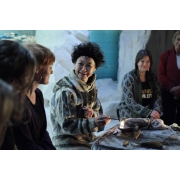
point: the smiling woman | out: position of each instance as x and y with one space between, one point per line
76 111
84 67
31 134
141 93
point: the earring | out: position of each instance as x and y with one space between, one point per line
40 77
38 80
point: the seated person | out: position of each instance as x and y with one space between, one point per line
31 134
76 111
169 78
141 93
17 69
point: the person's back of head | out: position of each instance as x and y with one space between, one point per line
17 68
17 65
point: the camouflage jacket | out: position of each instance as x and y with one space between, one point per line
70 130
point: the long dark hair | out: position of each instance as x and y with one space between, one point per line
142 53
6 107
17 68
6 101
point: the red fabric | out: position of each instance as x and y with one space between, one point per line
168 72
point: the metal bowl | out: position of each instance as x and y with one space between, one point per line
128 127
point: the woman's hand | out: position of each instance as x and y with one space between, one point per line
88 112
102 120
154 115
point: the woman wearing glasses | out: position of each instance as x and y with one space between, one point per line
141 94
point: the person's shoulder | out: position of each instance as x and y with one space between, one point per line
38 91
63 82
64 85
165 53
130 74
127 73
60 84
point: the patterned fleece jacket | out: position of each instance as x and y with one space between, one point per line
70 130
131 102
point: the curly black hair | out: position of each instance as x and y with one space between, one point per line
89 49
17 67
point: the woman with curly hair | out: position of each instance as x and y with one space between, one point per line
76 111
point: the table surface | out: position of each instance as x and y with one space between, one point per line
113 139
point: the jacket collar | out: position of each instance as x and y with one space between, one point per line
81 85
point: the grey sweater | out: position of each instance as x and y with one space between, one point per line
70 130
131 102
